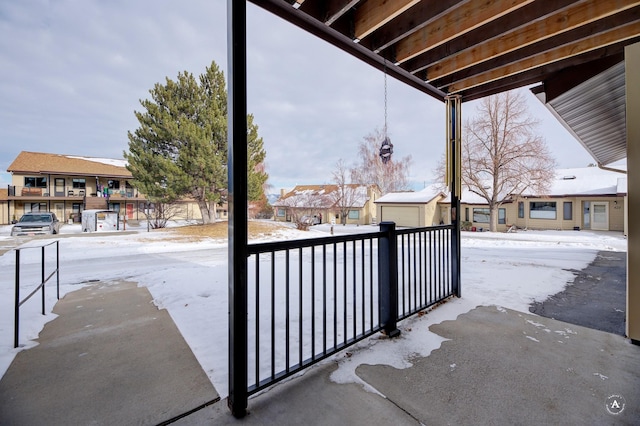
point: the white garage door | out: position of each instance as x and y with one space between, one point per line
402 216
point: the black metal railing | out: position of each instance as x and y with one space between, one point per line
424 268
308 299
41 286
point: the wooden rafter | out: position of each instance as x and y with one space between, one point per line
558 23
455 23
568 50
373 14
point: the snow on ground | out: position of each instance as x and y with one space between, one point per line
189 279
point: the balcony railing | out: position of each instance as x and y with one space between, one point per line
68 192
308 299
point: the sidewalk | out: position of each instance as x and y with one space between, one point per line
109 358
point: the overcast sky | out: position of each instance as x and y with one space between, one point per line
72 73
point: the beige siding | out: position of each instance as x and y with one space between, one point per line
615 211
402 215
4 213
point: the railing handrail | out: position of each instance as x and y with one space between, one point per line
40 286
266 247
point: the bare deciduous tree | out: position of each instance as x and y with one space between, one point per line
345 196
159 213
502 156
390 177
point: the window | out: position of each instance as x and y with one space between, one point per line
35 182
35 207
542 210
79 183
466 214
521 209
567 210
113 184
481 215
354 214
502 216
281 212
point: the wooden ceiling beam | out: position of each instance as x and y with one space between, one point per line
584 32
420 15
525 15
373 14
542 74
558 23
560 53
455 23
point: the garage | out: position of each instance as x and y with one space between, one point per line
401 215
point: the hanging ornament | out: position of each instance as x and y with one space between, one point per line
386 149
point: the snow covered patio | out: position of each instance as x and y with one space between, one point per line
506 349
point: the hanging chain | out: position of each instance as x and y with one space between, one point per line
385 97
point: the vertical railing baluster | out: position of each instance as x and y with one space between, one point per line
344 291
362 286
300 279
42 276
286 310
324 299
257 327
335 295
354 289
431 269
16 314
58 269
313 304
371 283
412 305
403 275
419 283
273 315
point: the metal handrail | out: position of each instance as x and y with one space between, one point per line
40 286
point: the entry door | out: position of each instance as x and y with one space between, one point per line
600 216
59 187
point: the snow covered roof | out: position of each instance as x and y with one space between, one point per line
423 196
567 182
585 181
322 196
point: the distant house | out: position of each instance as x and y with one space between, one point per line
322 204
412 209
580 198
67 184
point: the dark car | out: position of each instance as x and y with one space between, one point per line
40 223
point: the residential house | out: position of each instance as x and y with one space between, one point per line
67 184
323 203
579 198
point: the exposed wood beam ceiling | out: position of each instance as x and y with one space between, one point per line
473 48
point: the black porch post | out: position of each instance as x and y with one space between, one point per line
237 187
453 180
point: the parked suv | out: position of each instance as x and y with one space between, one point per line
40 223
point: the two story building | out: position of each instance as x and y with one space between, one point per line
66 185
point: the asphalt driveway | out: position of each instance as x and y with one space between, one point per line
595 299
